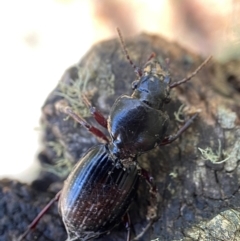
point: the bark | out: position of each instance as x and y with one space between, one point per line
199 194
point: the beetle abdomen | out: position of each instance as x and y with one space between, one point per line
96 194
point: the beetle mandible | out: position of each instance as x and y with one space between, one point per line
100 189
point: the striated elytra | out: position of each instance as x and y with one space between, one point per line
97 194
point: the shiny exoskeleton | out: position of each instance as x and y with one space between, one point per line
100 189
137 123
97 194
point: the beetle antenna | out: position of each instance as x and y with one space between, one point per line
191 75
137 70
152 56
39 216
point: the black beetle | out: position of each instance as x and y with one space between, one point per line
100 189
97 194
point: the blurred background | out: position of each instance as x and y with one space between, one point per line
40 39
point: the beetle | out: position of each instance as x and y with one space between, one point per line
101 187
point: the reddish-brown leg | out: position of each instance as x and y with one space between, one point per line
154 200
171 138
39 216
149 179
98 116
95 131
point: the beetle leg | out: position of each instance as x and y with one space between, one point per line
191 75
95 131
149 179
171 138
154 200
127 222
39 216
149 225
98 116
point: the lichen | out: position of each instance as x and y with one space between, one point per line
105 79
173 174
224 226
179 113
72 91
226 118
235 153
63 163
208 154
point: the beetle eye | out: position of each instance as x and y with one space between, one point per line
167 79
167 100
134 84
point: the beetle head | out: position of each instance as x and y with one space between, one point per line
153 86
